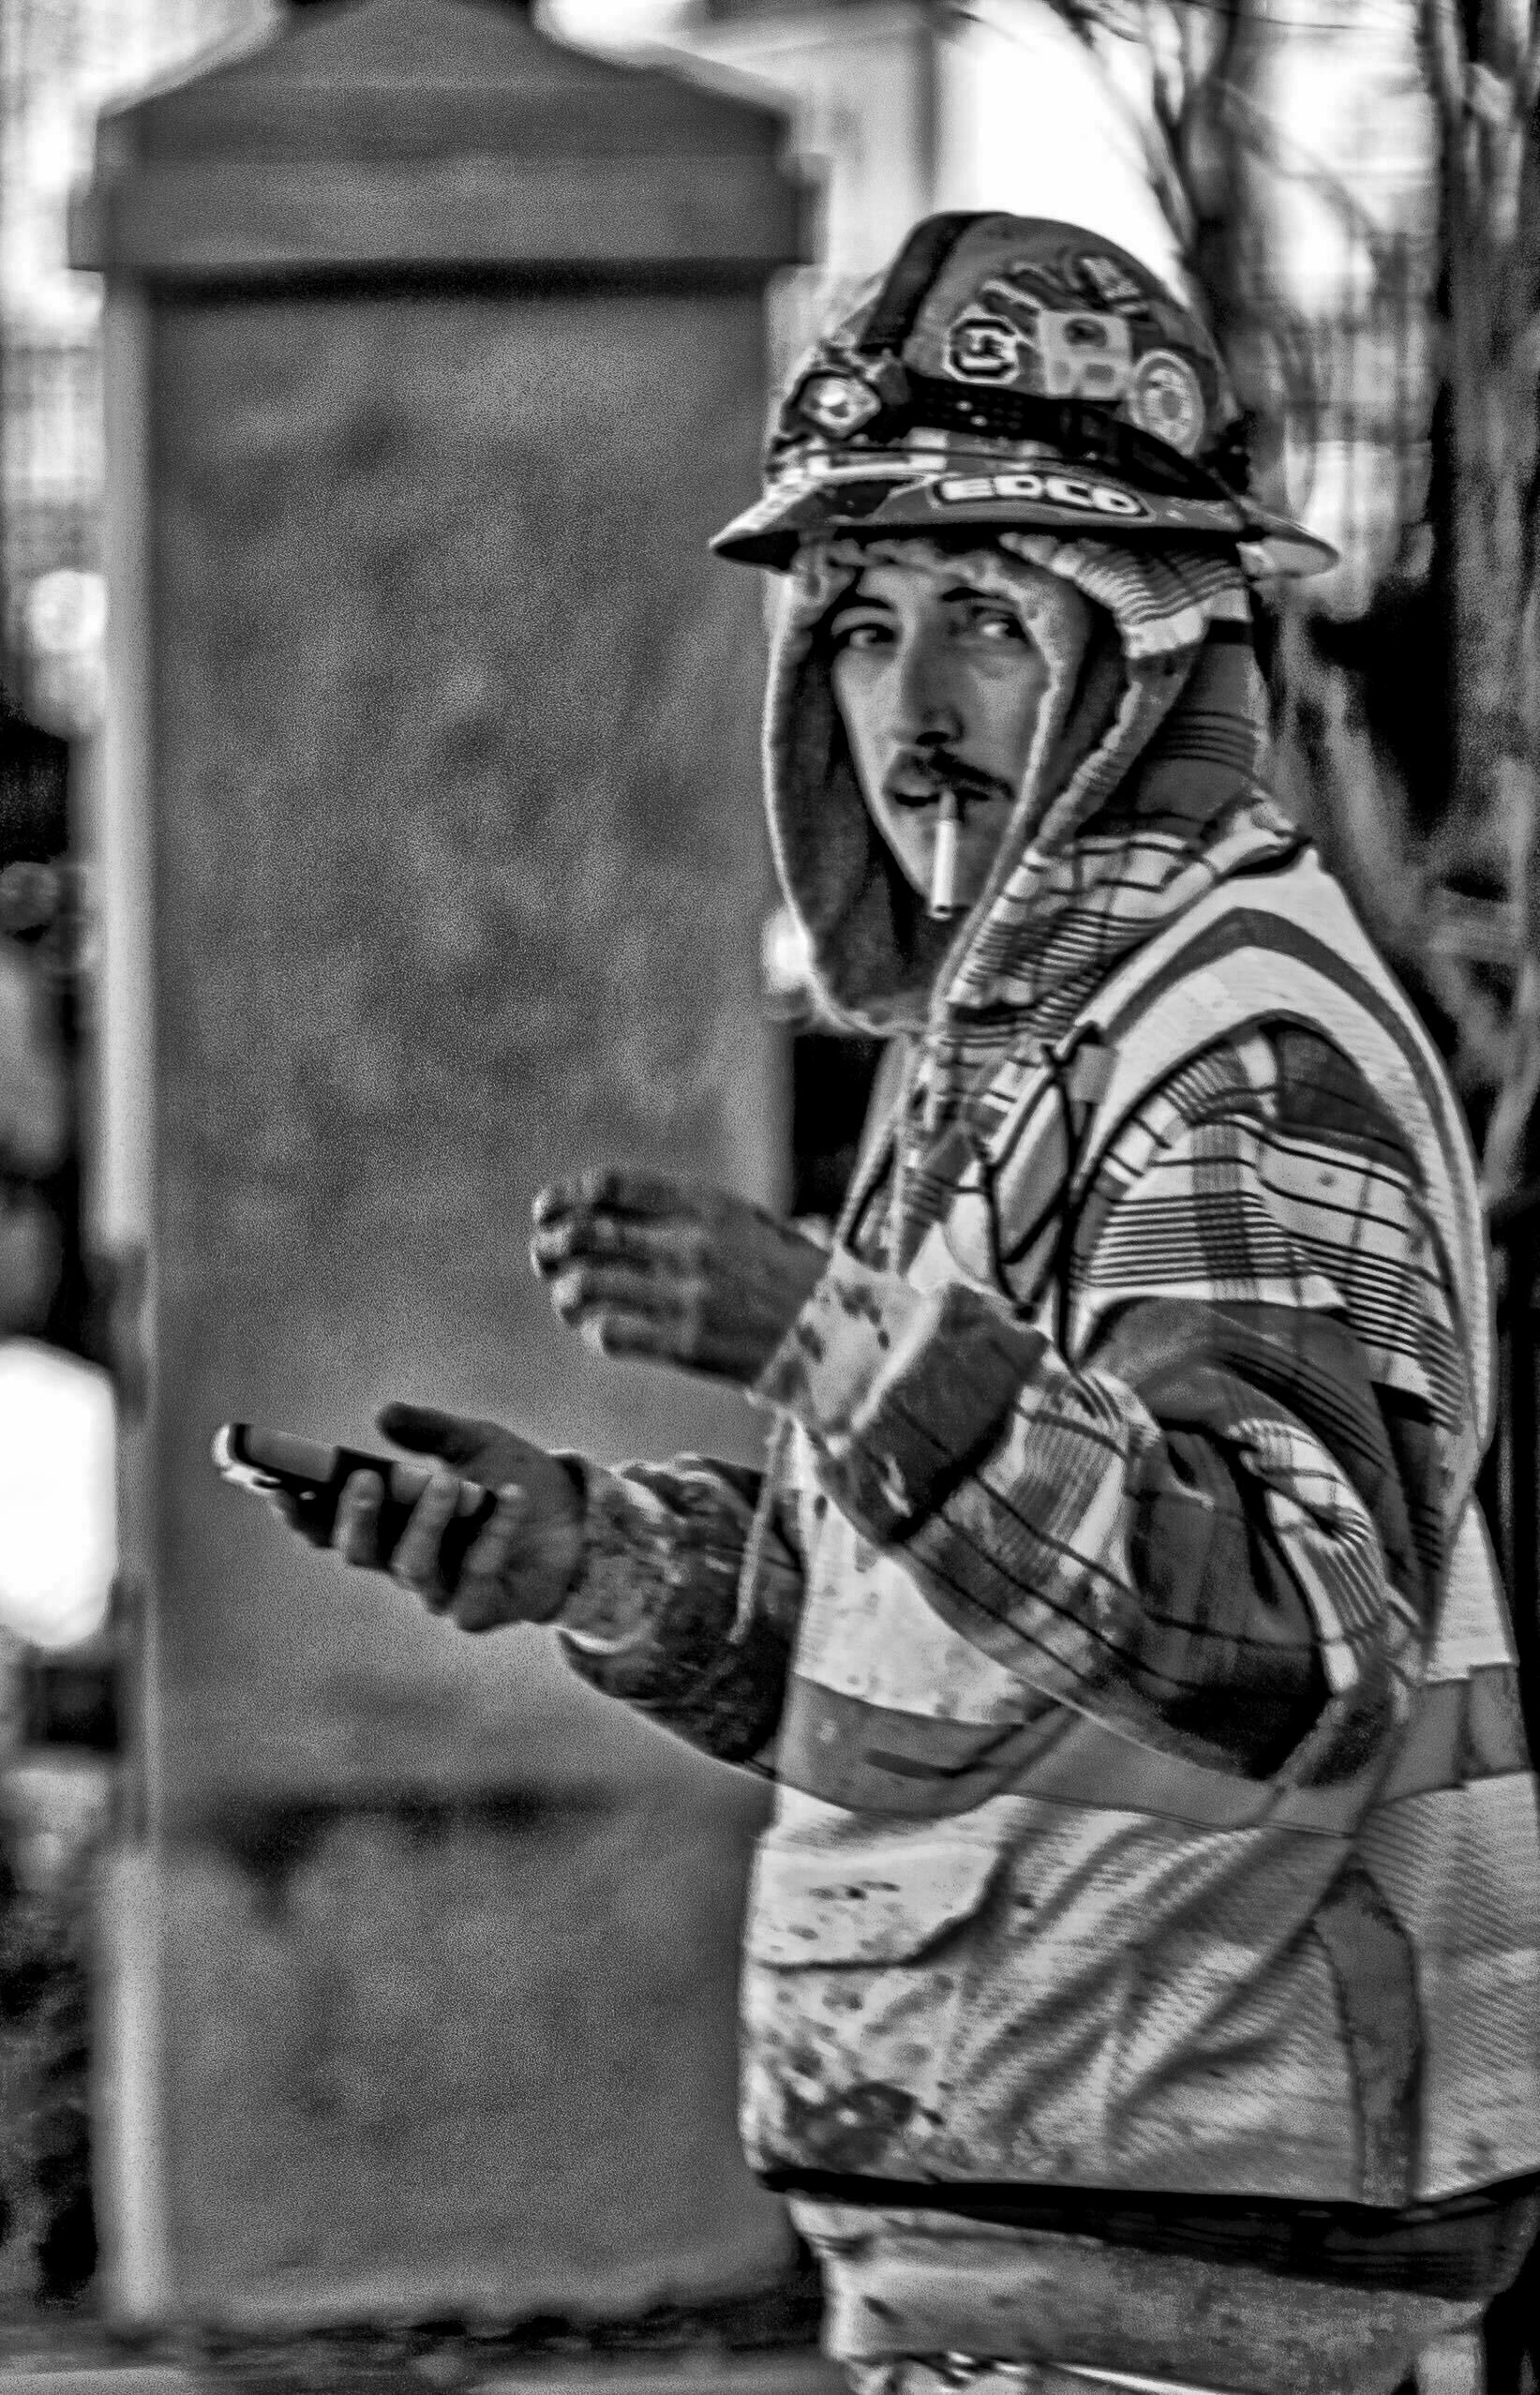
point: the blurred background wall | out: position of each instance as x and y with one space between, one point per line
430 866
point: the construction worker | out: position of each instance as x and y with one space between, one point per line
1140 1981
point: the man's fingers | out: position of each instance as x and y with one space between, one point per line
590 1288
617 1187
418 1560
423 1431
625 1192
355 1535
480 1597
588 1232
559 1198
493 1544
624 1310
615 1331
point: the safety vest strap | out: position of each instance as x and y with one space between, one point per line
1258 946
872 1759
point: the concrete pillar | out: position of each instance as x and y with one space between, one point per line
432 866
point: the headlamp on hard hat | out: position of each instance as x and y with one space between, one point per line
837 401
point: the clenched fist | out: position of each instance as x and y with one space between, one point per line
671 1270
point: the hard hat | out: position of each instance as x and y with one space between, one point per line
1008 371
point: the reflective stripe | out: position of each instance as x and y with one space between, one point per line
1473 1629
1135 2383
1462 1731
872 1759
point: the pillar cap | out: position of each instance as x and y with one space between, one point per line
379 136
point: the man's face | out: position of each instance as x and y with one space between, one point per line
940 687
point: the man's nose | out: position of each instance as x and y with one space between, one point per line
924 700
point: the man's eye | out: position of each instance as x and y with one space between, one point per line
997 624
858 635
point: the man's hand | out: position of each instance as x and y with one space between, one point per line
520 1565
682 1274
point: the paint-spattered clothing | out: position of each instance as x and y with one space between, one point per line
1153 1819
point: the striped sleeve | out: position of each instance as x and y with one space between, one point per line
1218 1520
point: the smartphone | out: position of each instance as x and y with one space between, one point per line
313 1477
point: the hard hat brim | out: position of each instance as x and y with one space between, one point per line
888 495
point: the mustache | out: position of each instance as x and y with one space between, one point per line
921 777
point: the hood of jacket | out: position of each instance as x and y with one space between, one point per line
1151 735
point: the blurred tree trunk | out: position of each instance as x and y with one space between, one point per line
1484 63
1408 691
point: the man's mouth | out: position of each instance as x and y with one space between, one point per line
925 786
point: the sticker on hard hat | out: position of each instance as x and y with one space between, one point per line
1055 490
1008 335
983 349
1167 400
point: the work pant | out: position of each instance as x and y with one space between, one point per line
1452 2366
913 2300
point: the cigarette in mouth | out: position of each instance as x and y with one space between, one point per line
944 859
